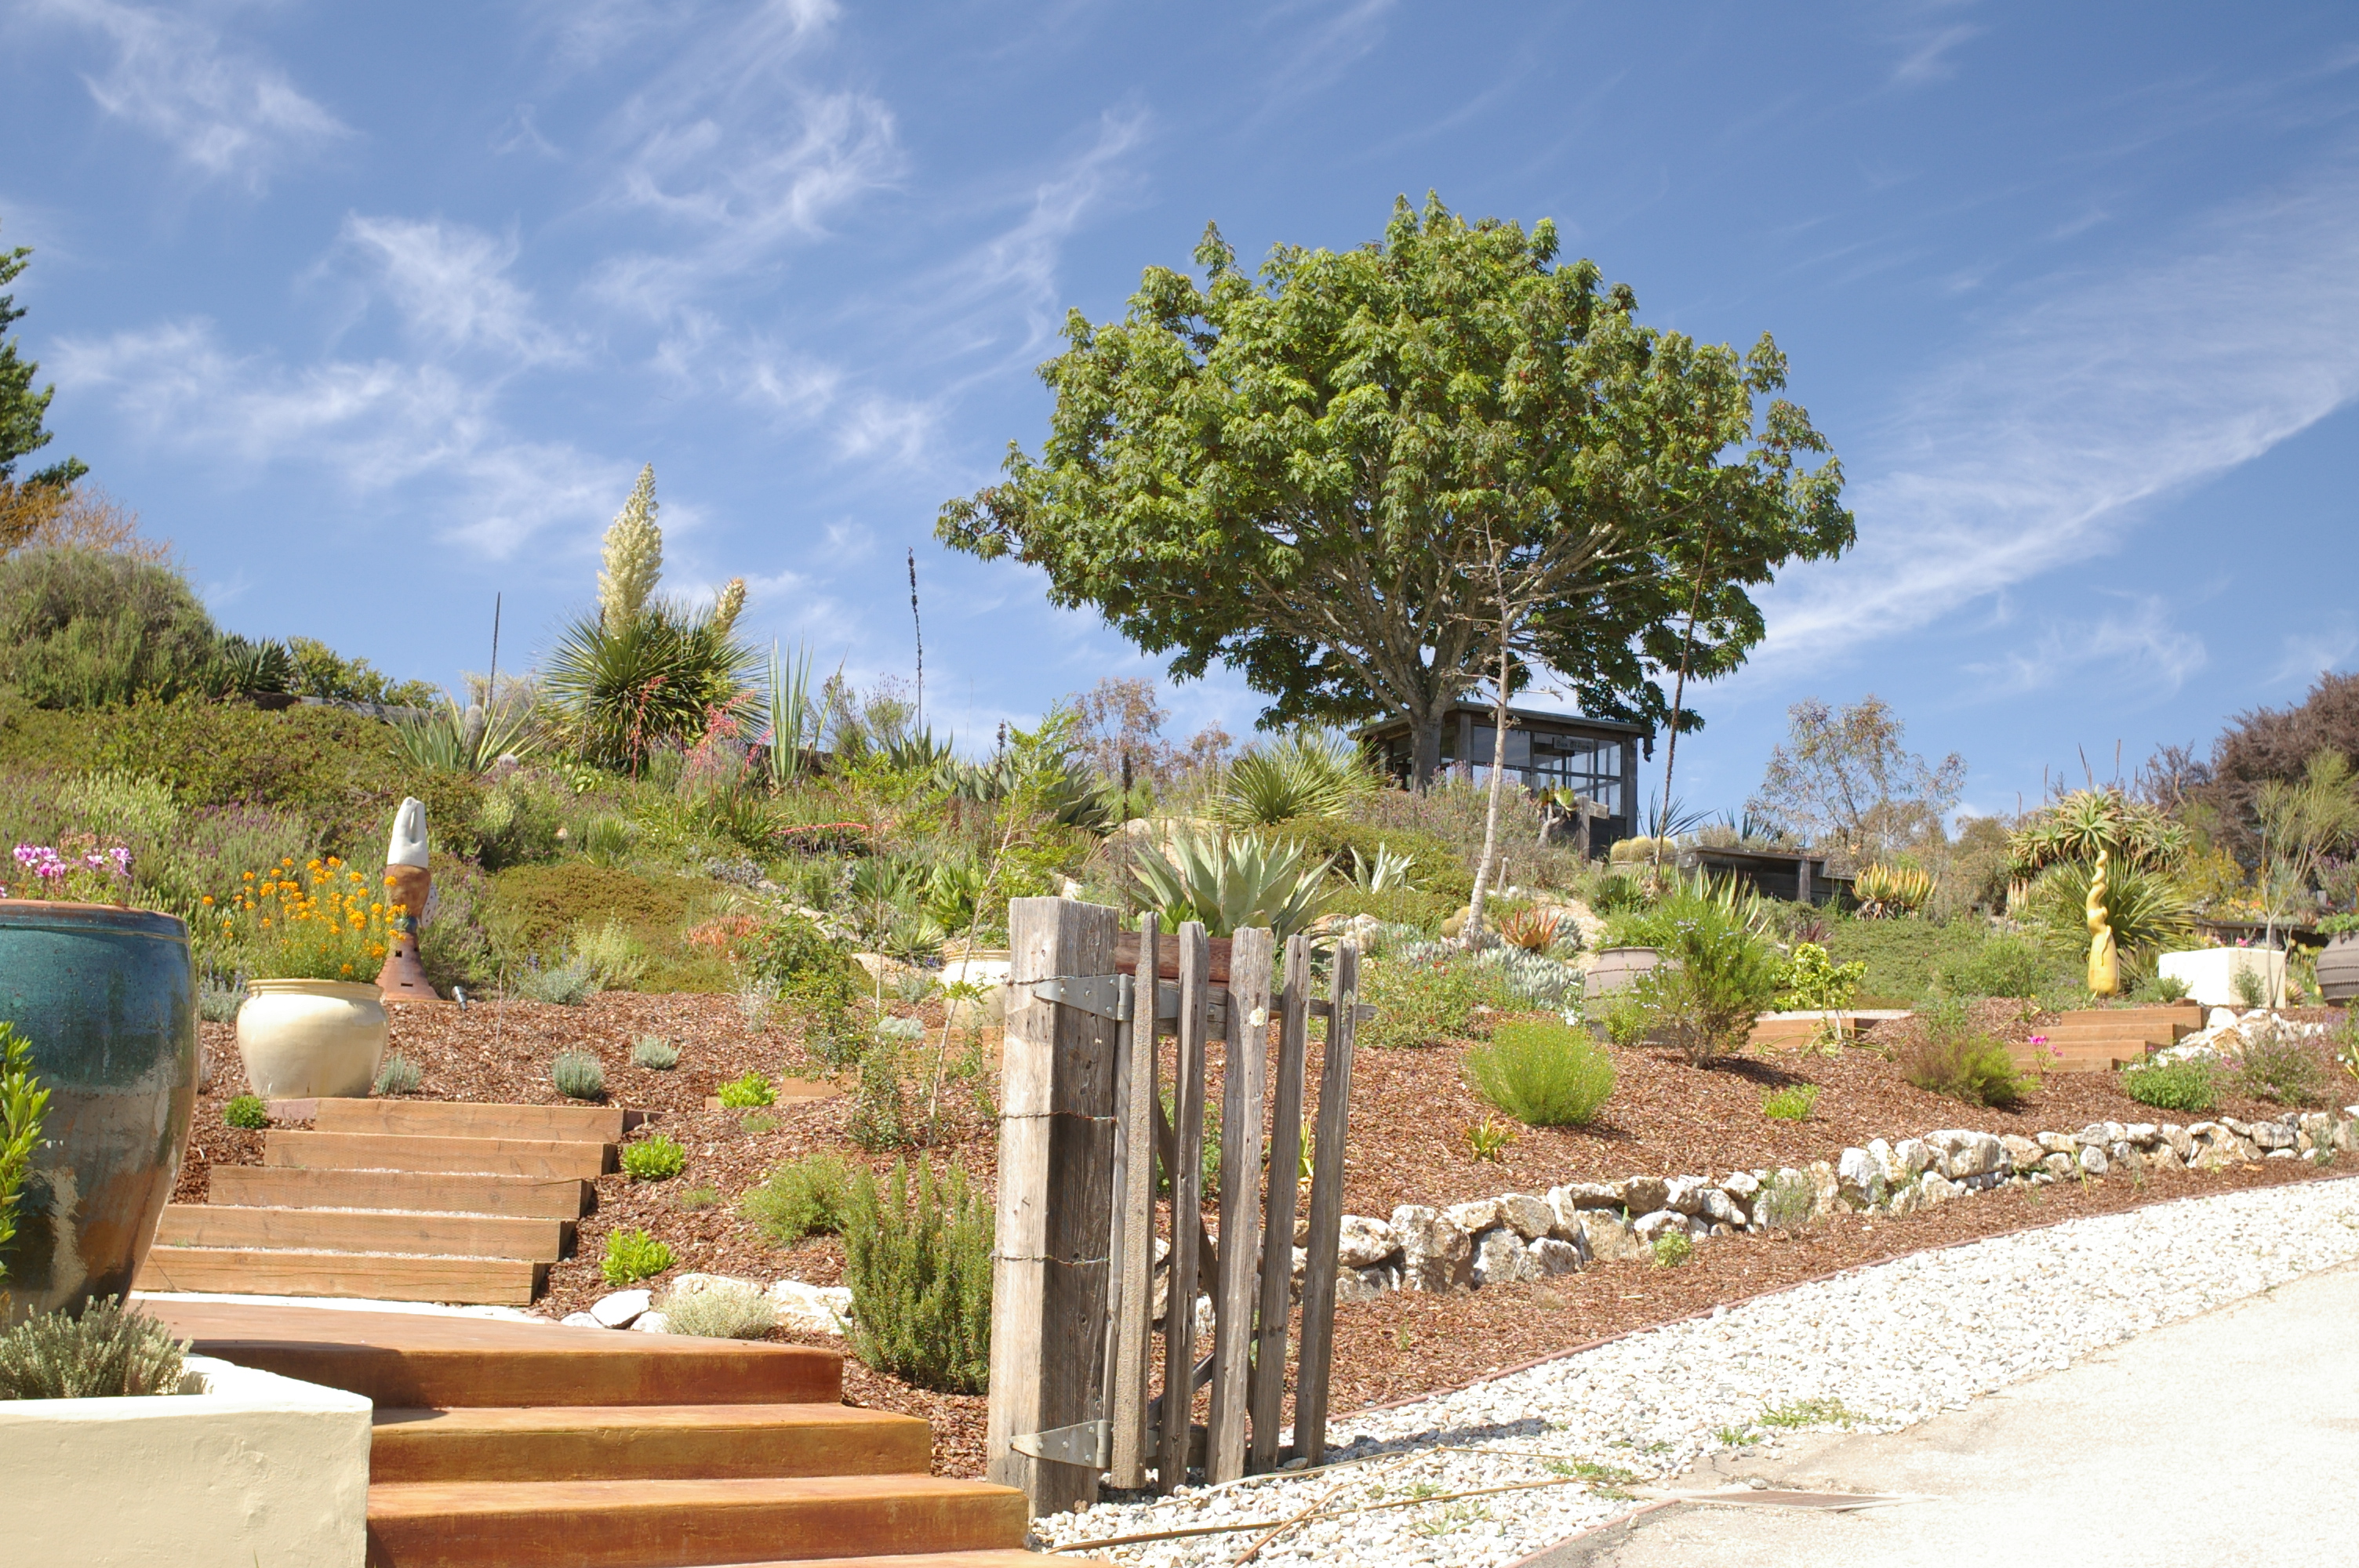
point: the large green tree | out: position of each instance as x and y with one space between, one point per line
22 408
1359 477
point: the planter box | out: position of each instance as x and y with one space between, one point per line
257 1469
2211 972
2338 967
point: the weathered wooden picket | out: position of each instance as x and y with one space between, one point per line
1082 1133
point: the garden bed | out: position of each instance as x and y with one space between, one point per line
1408 1145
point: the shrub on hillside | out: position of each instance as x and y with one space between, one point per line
1424 912
1717 974
1541 1072
1427 1002
632 1256
567 984
1435 867
2278 1067
921 1277
1905 958
721 1309
2192 1086
1948 1056
578 1075
653 1159
2003 965
83 629
798 961
802 1197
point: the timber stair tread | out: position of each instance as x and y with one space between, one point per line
364 1230
684 1523
2099 1040
570 1442
559 1157
398 1200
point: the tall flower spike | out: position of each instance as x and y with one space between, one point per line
633 559
726 606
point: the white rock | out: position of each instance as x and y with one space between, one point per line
581 1320
1530 1218
622 1308
1435 1254
1355 1285
1881 1153
1914 1156
1608 1239
2022 1153
1859 1178
1474 1217
1684 1194
2094 1159
651 1323
1550 1257
1365 1242
1647 1227
1933 1188
813 1309
1500 1259
1644 1195
692 1284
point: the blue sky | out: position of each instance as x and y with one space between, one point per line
376 311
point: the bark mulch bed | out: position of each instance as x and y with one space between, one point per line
1410 1113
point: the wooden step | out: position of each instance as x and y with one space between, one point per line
2186 1013
625 1442
421 1361
289 1186
404 1151
682 1524
369 1276
447 1118
1013 1558
364 1230
2139 1034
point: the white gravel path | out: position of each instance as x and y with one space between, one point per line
1880 1348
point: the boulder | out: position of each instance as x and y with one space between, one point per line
1500 1258
2142 1134
2161 1157
651 1323
1584 1194
1913 1156
1474 1217
1647 1227
2272 1135
1684 1194
2061 1164
1527 1217
1608 1239
1644 1195
1435 1254
1859 1178
1934 1188
1906 1200
2218 1154
2057 1142
814 1308
1825 1189
1721 1209
1354 1285
2175 1139
2095 1160
1742 1187
1960 1152
1364 1243
1549 1258
622 1308
2022 1153
581 1320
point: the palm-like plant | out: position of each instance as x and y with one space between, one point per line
1306 774
791 716
2147 910
1232 883
661 678
2075 825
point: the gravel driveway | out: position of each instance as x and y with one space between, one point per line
1878 1350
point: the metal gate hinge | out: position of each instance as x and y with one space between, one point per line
1101 996
1087 1443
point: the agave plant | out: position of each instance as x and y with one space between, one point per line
451 738
1231 882
1887 890
1306 774
1533 930
1390 871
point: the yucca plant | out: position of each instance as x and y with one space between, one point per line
663 677
1306 774
1231 882
791 718
2148 910
467 740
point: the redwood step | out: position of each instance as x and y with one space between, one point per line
1014 1558
2144 1035
419 1361
371 1276
364 1230
684 1524
289 1186
625 1442
450 1119
405 1152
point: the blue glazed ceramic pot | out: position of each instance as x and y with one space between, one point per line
108 998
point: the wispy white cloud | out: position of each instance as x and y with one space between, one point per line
2138 643
1928 59
451 284
375 425
2036 447
231 115
1021 260
2311 653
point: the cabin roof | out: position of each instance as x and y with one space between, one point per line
1526 718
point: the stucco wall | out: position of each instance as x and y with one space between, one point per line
259 1471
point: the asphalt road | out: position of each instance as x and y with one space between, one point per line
2229 1438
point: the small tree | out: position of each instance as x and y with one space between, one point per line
1843 778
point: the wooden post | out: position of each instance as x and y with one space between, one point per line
1311 1380
1234 1292
1187 1209
1268 1399
1134 1344
1056 1165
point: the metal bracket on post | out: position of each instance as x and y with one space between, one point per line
1083 1443
1101 996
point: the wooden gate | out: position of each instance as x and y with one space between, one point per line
1083 1133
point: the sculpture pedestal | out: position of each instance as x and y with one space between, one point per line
403 979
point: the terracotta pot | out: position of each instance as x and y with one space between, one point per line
2338 967
305 1038
108 998
1617 969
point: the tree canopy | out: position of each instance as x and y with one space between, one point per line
1352 477
22 409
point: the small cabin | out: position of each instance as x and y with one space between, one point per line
1594 759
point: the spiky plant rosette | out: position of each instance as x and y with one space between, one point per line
319 920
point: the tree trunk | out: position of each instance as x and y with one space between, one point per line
1424 748
1473 932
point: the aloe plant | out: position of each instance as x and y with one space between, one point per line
1303 775
1231 882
